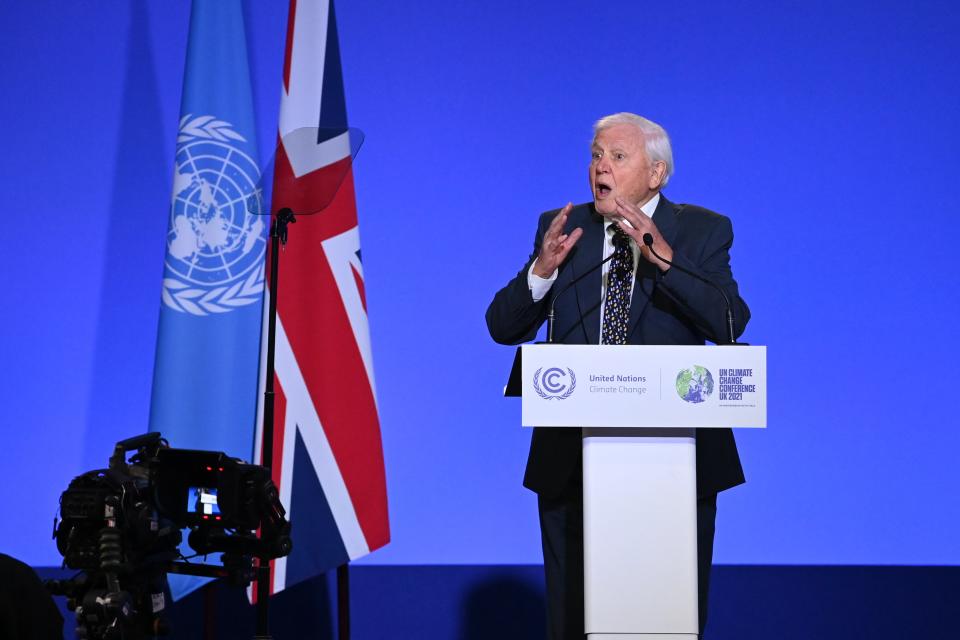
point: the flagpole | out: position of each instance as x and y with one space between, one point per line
343 602
210 611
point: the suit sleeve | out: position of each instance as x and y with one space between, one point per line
513 316
700 302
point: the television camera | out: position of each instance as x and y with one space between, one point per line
121 528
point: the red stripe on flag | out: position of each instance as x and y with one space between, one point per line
291 19
313 193
279 427
321 336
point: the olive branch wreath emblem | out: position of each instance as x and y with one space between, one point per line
544 395
207 127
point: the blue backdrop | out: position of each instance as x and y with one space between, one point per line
827 131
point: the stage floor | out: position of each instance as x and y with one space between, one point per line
507 602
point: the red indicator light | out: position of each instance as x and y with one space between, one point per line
209 468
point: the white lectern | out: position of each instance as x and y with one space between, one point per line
638 407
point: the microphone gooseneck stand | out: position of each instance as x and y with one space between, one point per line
278 236
618 241
731 335
648 241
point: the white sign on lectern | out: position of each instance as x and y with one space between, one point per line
644 386
638 407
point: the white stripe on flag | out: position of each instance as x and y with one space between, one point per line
301 412
306 155
301 107
262 376
341 254
289 422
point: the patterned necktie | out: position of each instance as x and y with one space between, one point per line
616 308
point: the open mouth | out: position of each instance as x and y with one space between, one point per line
603 190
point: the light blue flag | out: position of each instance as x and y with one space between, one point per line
208 345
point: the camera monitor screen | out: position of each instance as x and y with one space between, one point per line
203 501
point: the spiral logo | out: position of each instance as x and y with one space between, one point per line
554 383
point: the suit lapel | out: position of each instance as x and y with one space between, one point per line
665 218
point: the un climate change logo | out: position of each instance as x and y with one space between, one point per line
216 241
695 384
553 383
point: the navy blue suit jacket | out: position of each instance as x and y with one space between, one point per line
666 308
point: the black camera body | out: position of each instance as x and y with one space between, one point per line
121 528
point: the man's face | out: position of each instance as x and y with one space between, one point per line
619 167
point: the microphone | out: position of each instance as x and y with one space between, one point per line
619 241
648 240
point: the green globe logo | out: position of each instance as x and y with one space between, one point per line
695 384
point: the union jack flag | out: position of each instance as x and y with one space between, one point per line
327 452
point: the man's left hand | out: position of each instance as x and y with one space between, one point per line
642 224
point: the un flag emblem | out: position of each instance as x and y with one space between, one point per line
216 240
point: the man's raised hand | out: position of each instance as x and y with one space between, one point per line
639 225
556 244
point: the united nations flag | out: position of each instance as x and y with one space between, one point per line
208 345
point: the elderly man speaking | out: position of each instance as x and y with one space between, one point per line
635 298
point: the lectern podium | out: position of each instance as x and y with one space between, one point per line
638 407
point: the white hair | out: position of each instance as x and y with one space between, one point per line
656 142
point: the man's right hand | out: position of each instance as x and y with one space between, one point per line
556 244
